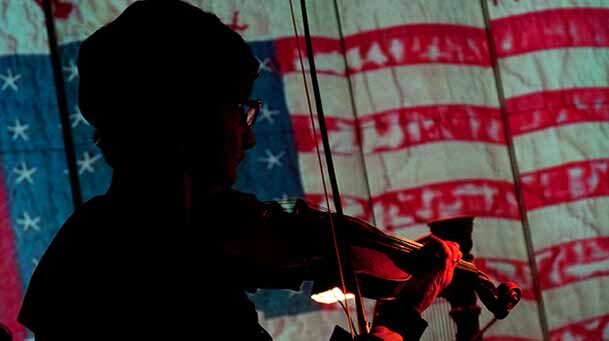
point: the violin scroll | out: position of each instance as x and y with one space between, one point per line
498 300
509 294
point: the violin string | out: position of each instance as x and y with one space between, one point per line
449 329
340 302
332 227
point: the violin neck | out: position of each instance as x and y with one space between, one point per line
411 245
370 236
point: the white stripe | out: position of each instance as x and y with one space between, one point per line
554 70
563 223
261 17
507 8
398 87
88 17
499 238
577 301
366 15
22 28
349 171
523 321
492 237
560 145
334 94
436 163
417 166
410 86
257 15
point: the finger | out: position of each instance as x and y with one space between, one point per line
437 249
453 255
448 248
454 251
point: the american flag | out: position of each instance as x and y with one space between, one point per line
417 126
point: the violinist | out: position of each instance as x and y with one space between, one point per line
168 252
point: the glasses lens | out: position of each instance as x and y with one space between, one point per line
250 115
251 111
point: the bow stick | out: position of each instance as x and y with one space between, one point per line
341 246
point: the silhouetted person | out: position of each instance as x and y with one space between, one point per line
167 252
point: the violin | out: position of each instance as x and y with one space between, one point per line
499 300
372 249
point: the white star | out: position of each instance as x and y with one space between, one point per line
24 173
77 117
272 160
86 164
28 223
267 114
10 80
18 130
72 70
264 64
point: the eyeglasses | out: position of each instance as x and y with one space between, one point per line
250 109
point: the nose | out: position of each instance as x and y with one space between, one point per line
249 140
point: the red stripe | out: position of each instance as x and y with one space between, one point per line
566 183
403 208
406 127
547 109
392 46
590 329
10 289
476 197
573 261
551 29
61 8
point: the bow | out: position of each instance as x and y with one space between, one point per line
341 247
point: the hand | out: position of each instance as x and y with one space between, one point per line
437 261
440 257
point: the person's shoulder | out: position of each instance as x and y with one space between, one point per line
61 263
86 218
96 207
80 230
